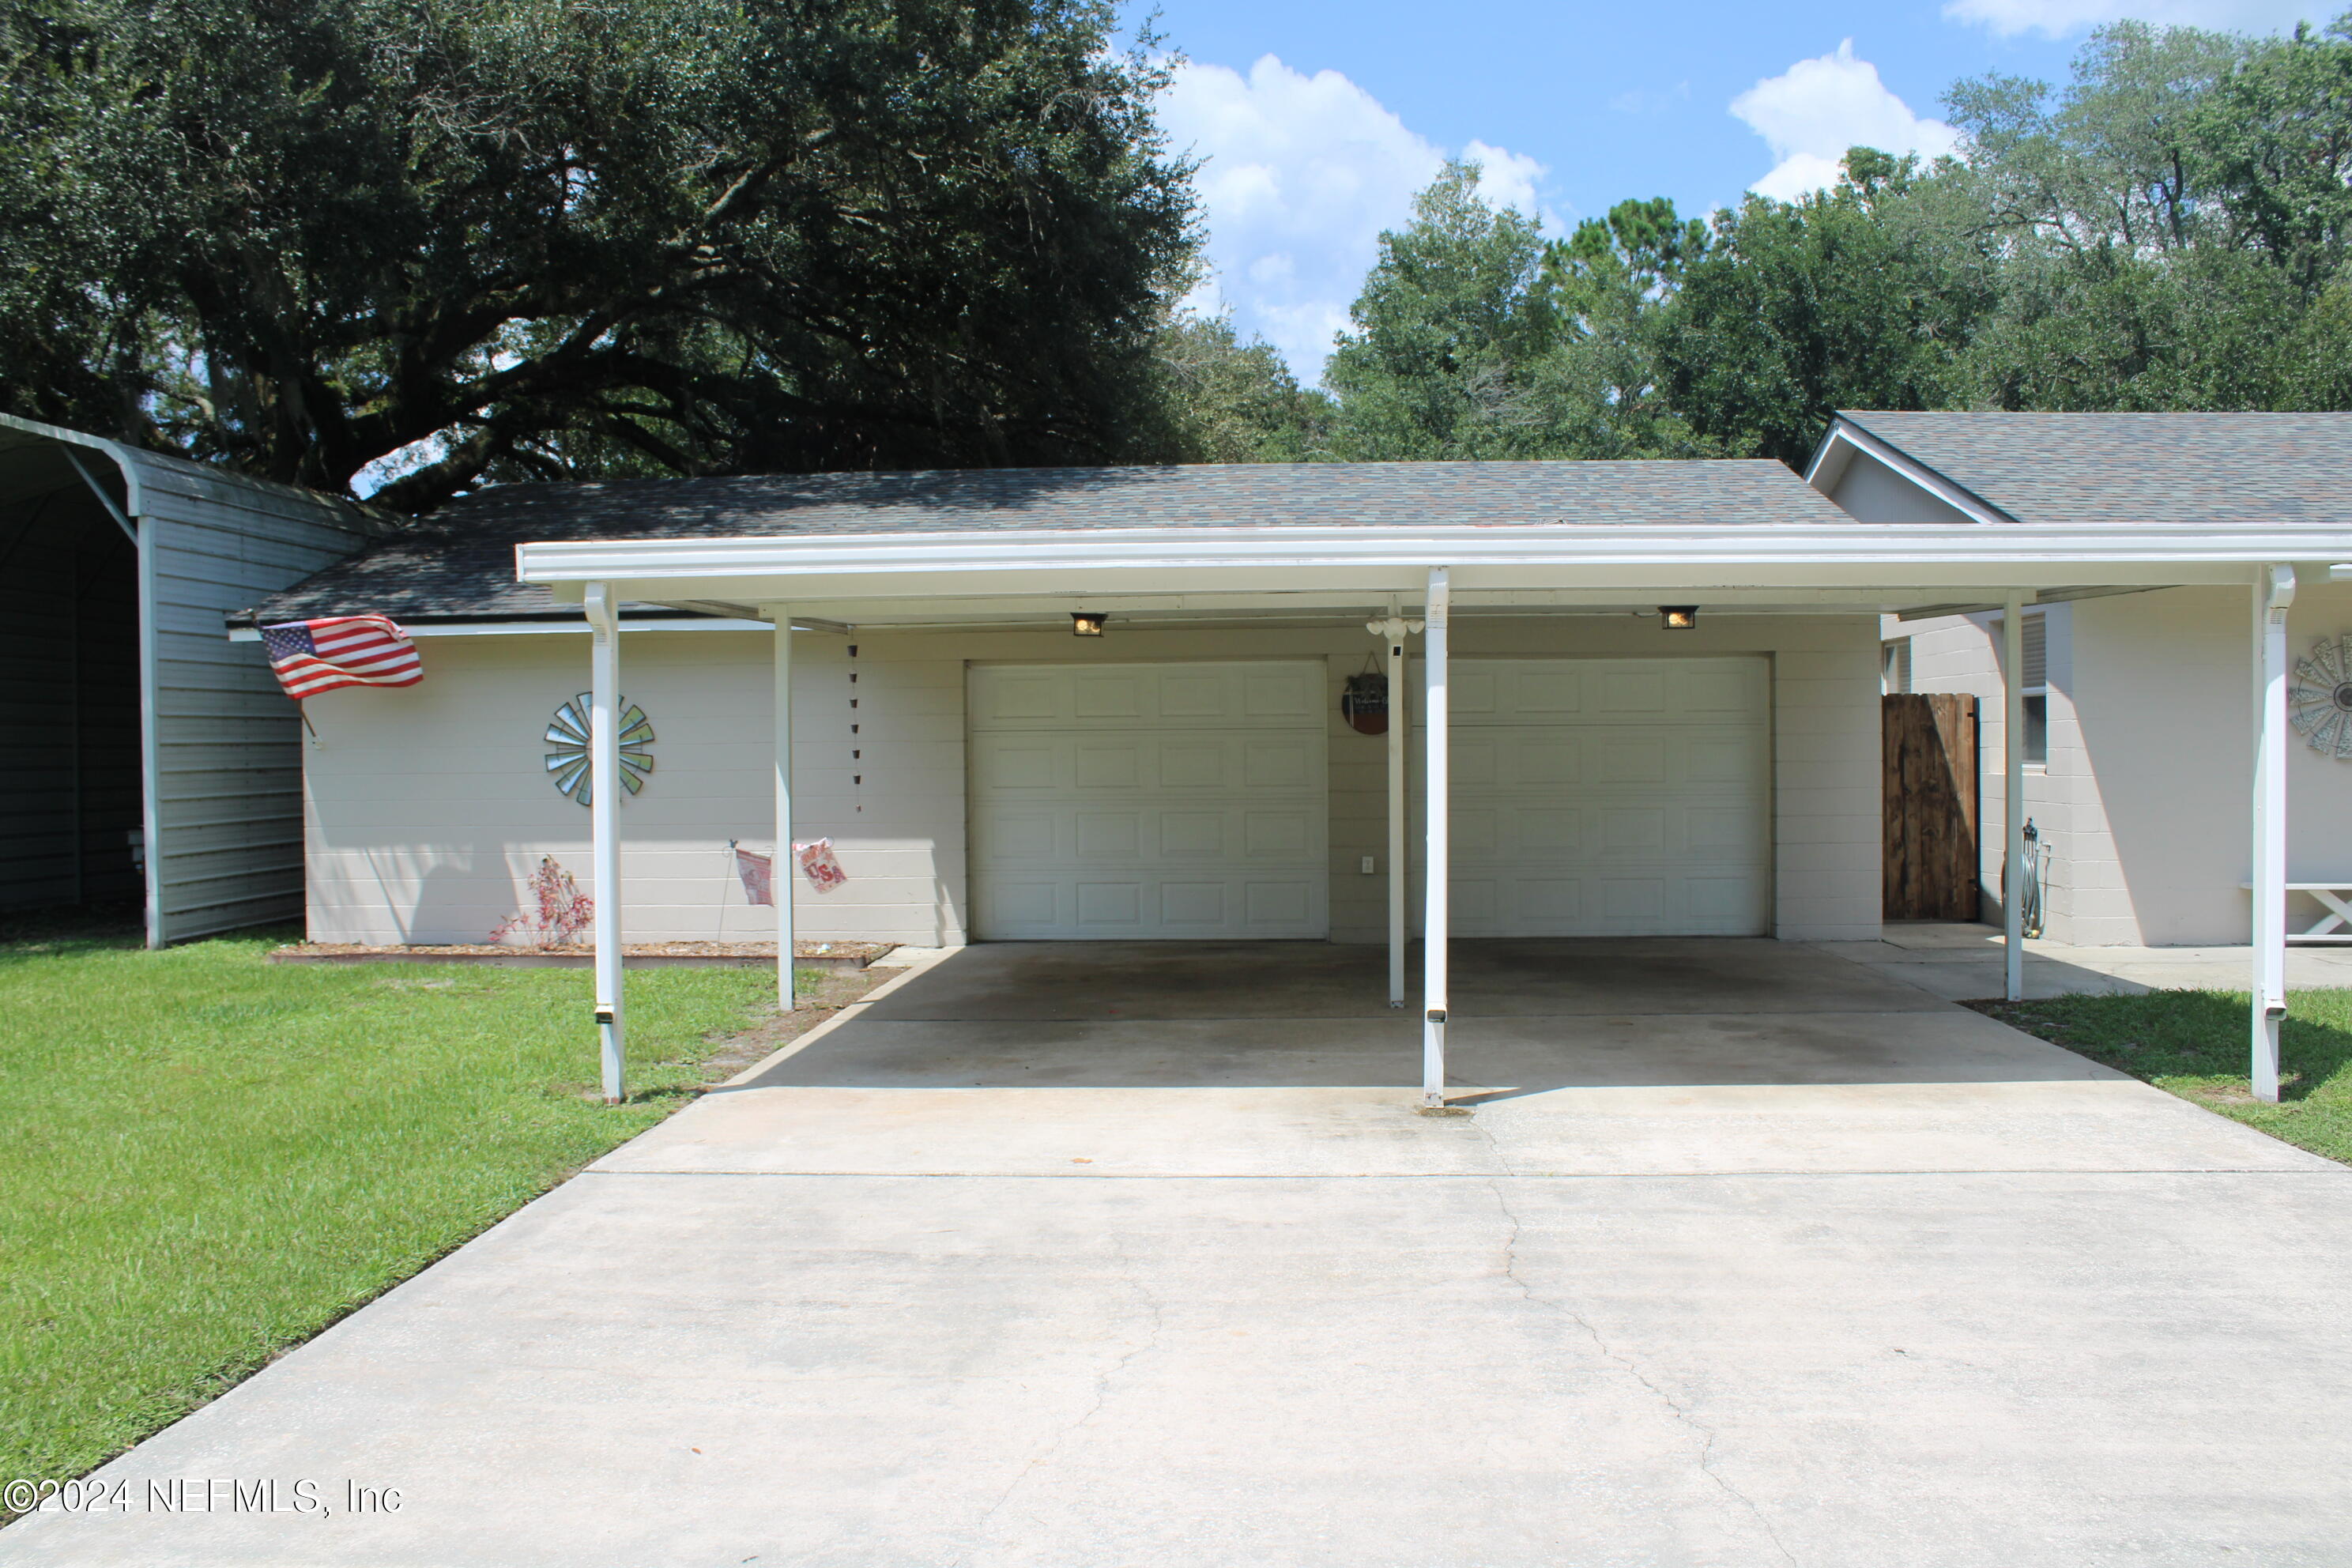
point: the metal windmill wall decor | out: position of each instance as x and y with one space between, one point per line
568 765
2321 700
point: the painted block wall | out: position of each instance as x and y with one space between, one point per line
2146 794
426 808
1963 654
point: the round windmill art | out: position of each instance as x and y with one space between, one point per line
2321 701
568 765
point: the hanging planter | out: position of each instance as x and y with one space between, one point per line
1364 704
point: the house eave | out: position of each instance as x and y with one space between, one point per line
1356 560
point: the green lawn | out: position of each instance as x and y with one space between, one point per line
2195 1043
205 1158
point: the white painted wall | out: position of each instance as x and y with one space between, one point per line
426 808
2145 794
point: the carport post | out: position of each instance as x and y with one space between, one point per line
1397 717
2012 798
605 824
783 872
1437 809
2273 595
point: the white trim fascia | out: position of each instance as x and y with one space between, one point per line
538 628
1960 499
1303 547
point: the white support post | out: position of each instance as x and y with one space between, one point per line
604 827
783 877
1400 731
1437 810
2012 798
2273 595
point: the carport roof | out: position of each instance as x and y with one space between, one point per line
2220 470
460 564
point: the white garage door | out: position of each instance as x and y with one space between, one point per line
1148 801
1610 797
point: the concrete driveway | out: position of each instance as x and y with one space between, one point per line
1088 1256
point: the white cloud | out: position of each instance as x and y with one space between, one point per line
1810 114
2056 18
1299 174
1507 179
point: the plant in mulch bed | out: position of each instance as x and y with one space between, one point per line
561 911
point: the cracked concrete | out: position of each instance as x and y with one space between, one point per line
1748 1255
1632 1369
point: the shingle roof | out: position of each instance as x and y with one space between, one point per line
459 564
2220 469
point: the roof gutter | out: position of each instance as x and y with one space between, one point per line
1028 551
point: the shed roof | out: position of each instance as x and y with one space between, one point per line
459 564
2061 469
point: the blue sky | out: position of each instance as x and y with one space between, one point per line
1320 120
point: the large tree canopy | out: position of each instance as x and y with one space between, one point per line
511 238
2172 229
1476 338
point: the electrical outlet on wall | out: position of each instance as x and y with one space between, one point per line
1368 865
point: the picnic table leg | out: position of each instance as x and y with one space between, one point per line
2339 912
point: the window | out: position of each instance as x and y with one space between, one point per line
2035 681
1895 667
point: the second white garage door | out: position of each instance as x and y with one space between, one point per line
1610 797
1148 801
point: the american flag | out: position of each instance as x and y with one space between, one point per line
312 657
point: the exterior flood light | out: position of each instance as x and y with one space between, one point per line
1678 617
1085 623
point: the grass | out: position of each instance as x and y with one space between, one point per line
205 1159
2195 1045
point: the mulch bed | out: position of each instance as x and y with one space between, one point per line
843 955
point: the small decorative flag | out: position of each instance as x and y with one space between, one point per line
312 656
818 865
757 872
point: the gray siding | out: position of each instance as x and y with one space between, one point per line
225 746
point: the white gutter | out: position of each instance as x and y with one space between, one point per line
565 627
1562 544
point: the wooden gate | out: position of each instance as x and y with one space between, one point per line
1930 758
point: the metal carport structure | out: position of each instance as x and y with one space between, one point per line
1439 568
177 736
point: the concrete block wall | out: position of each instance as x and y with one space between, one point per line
426 808
1963 654
2145 797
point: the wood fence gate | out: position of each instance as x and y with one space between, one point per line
1930 759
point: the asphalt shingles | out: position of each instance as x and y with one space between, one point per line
2225 469
460 564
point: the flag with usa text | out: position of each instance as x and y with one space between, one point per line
312 657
